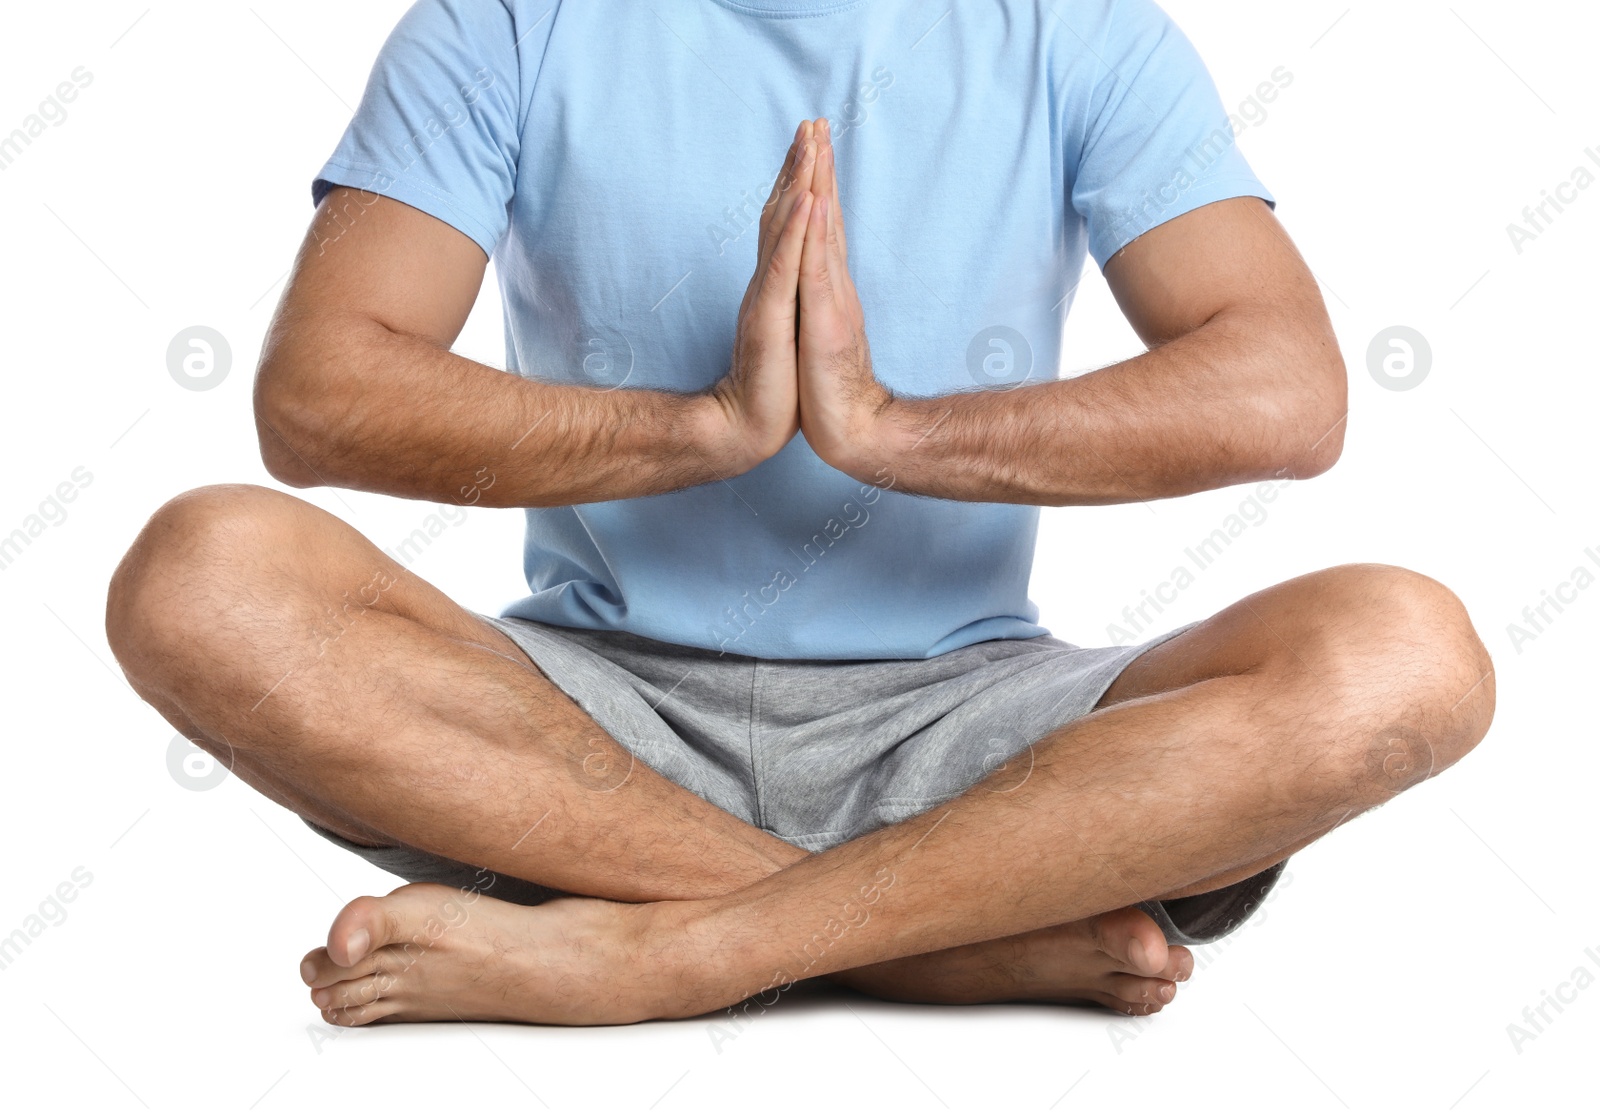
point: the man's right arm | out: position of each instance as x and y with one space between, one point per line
357 386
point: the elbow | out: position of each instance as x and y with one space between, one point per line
1314 420
286 430
287 468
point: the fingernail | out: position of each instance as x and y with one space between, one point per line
308 972
357 945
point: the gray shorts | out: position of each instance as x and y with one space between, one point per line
818 752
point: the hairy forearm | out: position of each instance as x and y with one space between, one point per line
1230 402
364 407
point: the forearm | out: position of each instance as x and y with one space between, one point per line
370 409
1230 402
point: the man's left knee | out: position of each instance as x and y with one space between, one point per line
1407 653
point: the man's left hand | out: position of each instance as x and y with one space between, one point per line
842 405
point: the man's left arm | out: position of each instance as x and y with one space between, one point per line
1242 381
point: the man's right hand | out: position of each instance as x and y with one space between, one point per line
759 396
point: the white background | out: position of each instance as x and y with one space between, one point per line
1382 978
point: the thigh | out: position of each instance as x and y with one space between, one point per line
229 591
1319 629
991 703
232 568
1236 640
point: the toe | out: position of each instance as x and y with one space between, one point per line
1134 941
358 927
354 992
1132 1009
319 970
361 1015
421 909
1142 991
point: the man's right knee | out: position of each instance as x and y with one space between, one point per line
190 568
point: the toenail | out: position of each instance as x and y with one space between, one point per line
357 945
308 972
1136 955
1167 991
323 997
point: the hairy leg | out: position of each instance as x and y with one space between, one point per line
1272 722
355 693
1243 739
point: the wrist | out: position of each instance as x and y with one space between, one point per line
878 443
718 435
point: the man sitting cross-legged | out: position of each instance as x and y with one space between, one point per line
978 813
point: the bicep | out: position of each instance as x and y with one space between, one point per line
372 260
371 270
1225 279
1228 257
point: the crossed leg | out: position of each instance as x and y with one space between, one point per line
361 697
358 695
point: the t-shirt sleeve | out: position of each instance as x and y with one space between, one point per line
437 127
1153 140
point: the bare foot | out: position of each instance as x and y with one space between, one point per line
430 953
1120 960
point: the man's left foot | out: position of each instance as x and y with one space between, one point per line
1119 960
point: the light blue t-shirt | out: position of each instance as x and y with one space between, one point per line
613 158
